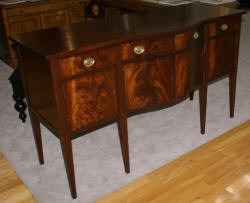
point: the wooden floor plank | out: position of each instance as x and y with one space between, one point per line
218 172
12 189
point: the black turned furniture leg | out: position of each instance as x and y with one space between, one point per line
18 93
191 95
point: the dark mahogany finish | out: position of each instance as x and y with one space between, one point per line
134 63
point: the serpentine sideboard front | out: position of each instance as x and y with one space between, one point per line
82 76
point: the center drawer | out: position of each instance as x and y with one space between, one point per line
132 50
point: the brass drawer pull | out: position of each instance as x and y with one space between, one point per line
88 62
224 27
139 50
196 35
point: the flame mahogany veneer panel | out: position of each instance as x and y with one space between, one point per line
149 83
221 56
91 99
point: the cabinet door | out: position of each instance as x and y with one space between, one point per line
54 19
149 83
221 55
22 24
91 99
188 70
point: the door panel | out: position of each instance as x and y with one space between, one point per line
221 55
149 83
188 70
91 99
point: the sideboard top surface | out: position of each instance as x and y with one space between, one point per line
61 41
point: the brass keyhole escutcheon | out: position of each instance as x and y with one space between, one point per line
224 27
196 35
88 62
139 50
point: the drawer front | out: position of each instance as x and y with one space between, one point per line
23 24
43 7
151 47
91 99
54 19
76 65
163 45
224 26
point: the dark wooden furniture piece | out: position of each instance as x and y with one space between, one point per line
244 3
32 16
96 10
81 76
141 5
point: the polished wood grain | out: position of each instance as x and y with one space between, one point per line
214 28
92 75
64 132
12 189
39 90
151 47
122 123
221 48
91 98
55 18
182 73
217 171
77 38
31 16
134 5
149 83
73 66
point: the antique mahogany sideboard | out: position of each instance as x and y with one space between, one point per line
81 76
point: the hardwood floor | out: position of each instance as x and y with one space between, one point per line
12 189
218 172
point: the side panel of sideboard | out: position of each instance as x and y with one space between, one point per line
39 88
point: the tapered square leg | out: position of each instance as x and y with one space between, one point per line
203 107
66 146
37 135
232 91
123 135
